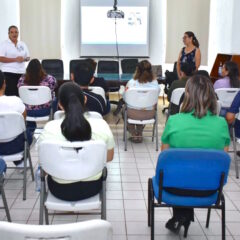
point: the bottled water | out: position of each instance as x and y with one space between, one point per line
38 179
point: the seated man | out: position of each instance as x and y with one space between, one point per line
97 81
230 116
13 104
83 75
186 72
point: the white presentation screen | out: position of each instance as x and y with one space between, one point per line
98 33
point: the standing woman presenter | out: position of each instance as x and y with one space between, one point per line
13 55
190 53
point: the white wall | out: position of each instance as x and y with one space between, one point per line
70 31
40 27
187 15
9 15
235 47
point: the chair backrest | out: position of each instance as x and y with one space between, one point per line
59 114
98 90
53 66
141 97
75 62
35 95
226 96
110 67
12 124
219 106
193 169
157 70
72 161
87 230
176 95
129 65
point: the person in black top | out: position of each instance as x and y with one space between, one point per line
97 81
83 75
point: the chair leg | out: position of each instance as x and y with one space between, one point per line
223 219
153 131
25 171
156 130
42 197
30 164
46 216
208 217
152 219
104 201
235 153
125 130
149 201
5 203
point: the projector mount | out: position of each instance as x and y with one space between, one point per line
115 13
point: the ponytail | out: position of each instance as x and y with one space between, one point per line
194 38
74 127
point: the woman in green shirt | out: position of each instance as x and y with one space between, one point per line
197 126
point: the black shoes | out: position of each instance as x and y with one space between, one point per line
174 225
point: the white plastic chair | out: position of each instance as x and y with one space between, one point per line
141 98
12 124
72 161
36 95
59 114
226 97
176 95
98 90
88 230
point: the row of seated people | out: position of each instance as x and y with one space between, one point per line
83 75
189 129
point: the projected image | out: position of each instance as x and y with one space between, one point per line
98 29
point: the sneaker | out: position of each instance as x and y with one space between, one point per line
21 164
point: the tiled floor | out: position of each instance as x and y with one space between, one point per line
127 196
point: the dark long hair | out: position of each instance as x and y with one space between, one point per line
74 127
199 97
144 72
194 38
233 73
34 73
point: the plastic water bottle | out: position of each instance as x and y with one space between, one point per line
220 69
38 179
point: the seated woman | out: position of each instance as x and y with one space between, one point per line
197 126
76 126
230 74
12 104
36 76
143 78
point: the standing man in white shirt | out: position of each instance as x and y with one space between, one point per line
13 55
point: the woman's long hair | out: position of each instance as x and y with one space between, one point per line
144 72
199 97
194 38
34 73
74 127
233 73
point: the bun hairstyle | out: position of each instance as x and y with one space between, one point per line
194 39
74 127
144 72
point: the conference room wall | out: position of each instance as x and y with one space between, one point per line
71 28
40 23
187 15
9 15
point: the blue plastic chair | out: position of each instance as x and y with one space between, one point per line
3 168
189 170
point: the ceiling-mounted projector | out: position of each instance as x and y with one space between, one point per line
115 13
